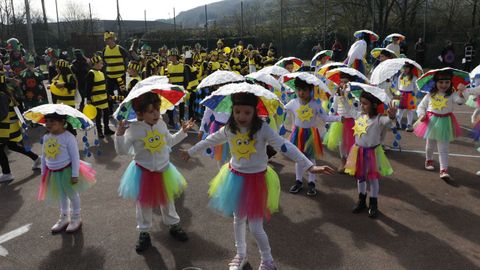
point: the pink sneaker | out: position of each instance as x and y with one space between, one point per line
429 165
444 175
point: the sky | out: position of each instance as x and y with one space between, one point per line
106 9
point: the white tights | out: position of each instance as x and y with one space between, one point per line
374 187
64 204
256 228
442 152
410 115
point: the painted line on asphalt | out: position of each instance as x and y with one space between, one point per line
10 235
436 153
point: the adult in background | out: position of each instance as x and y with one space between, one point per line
469 55
447 56
116 59
80 68
337 49
420 50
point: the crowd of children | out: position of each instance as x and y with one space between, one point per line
242 125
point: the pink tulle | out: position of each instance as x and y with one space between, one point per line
421 128
43 186
87 172
347 136
254 192
152 190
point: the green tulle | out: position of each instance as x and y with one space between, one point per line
273 187
174 182
383 165
333 137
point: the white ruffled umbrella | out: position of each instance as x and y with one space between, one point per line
220 77
389 68
274 70
357 88
289 80
77 119
264 78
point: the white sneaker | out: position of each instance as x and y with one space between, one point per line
237 263
478 173
75 224
61 224
37 164
6 177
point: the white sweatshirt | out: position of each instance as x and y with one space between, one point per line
316 110
248 156
151 145
60 150
438 104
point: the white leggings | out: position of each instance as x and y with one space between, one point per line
256 228
144 216
410 115
299 173
442 152
64 204
374 187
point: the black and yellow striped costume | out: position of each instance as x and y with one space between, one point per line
10 129
97 89
115 62
65 94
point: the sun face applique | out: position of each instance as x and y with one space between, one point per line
438 102
405 81
242 146
305 113
154 141
51 148
361 126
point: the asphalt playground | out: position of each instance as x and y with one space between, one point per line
425 222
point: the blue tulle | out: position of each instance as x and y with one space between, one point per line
130 183
227 198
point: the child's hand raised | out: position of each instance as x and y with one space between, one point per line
122 127
392 110
184 155
186 125
321 170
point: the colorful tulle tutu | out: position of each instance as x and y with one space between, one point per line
149 188
219 152
308 141
440 127
57 184
367 163
408 100
340 135
251 195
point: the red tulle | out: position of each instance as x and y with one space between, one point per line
366 164
152 190
254 195
347 136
